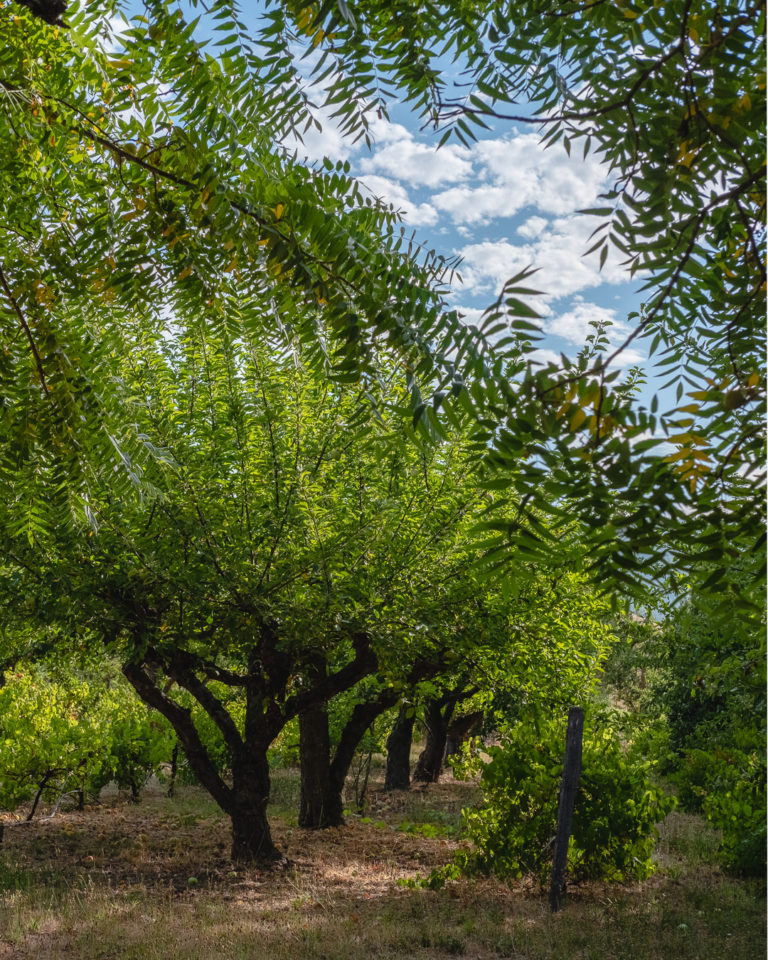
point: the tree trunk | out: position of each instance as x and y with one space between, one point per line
459 730
246 800
321 804
398 775
430 762
568 788
251 835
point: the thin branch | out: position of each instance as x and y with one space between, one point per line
25 326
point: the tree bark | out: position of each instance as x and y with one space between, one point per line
437 716
568 789
251 834
321 805
459 729
398 774
323 778
246 800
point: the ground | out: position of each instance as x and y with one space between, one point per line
152 880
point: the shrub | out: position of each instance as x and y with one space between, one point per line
614 819
728 786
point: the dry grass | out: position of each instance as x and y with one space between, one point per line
153 881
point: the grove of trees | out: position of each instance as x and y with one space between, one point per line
257 477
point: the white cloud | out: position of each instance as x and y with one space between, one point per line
574 326
544 356
555 251
533 227
470 314
423 214
329 142
515 172
406 159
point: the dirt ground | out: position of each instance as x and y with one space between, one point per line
153 881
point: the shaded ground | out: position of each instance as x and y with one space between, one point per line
153 881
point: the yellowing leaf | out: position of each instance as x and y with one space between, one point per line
186 272
753 380
278 211
577 419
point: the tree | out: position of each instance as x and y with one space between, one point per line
672 99
536 642
274 554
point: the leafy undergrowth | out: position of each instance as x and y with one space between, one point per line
153 881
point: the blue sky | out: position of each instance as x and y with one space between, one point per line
502 204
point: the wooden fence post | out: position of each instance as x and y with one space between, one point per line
568 788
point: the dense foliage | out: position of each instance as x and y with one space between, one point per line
145 177
68 728
614 818
708 687
247 449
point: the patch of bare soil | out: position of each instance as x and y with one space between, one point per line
152 844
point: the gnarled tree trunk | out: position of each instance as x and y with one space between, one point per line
437 716
323 778
246 800
251 834
459 729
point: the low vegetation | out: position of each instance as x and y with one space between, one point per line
153 880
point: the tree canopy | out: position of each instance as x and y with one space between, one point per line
147 181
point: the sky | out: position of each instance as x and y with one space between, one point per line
502 204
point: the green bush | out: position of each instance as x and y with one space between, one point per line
69 728
614 819
728 786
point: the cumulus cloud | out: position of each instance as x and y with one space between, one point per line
400 156
471 314
533 227
544 356
514 172
555 250
416 214
574 326
315 144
